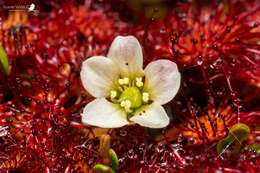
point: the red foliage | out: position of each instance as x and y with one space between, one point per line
214 44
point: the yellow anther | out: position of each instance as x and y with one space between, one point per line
122 104
139 82
145 96
113 94
138 79
126 80
123 81
127 104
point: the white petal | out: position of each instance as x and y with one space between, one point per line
162 80
153 116
126 52
104 114
97 75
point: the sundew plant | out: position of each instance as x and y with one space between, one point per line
130 86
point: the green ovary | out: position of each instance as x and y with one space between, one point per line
132 94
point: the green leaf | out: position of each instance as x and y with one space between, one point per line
113 159
100 168
236 148
239 132
255 148
4 61
222 144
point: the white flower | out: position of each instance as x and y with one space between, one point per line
125 93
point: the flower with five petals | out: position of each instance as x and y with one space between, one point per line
124 92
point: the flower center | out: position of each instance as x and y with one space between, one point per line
133 95
129 94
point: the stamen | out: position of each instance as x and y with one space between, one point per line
122 104
145 97
139 82
123 81
138 79
113 94
126 80
127 104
